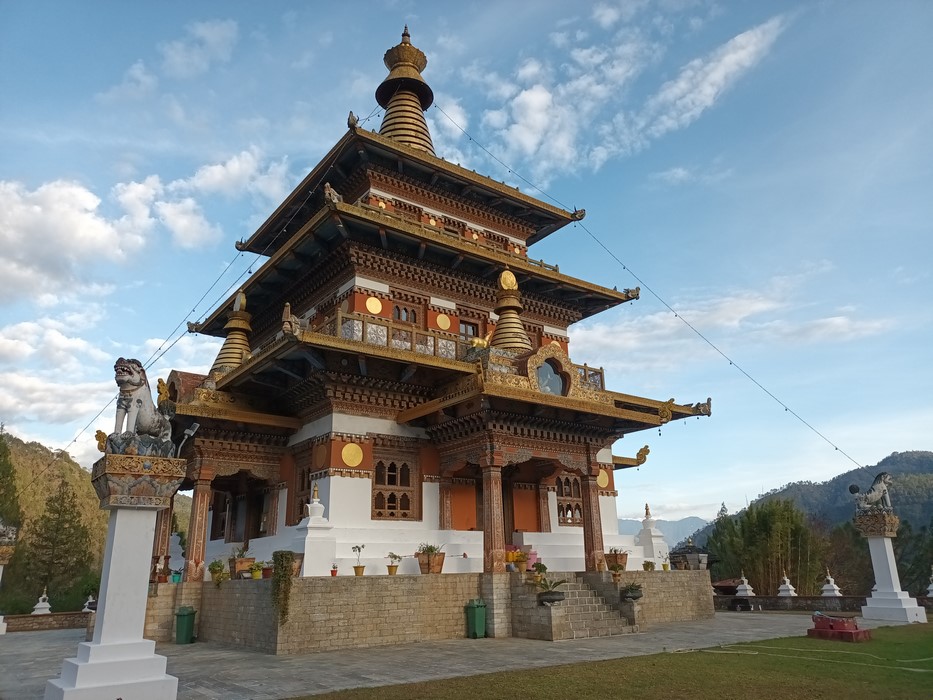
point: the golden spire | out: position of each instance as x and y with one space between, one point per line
510 333
236 346
405 96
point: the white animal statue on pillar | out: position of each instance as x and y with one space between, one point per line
140 427
877 497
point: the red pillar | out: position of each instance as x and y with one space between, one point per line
593 555
197 529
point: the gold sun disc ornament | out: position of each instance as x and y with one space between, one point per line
602 480
443 322
507 280
373 305
352 454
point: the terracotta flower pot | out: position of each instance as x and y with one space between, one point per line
358 570
333 572
393 569
267 572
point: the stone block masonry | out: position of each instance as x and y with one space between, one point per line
162 604
339 613
52 621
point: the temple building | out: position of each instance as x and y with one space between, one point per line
402 358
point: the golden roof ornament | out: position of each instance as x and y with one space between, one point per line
510 334
235 349
405 96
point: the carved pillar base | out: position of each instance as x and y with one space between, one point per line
197 530
493 522
118 662
593 556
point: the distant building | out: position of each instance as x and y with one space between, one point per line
400 349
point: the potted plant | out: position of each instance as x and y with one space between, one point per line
616 570
333 569
631 591
255 569
394 560
617 555
358 551
216 569
666 562
521 561
548 593
540 569
430 558
240 562
648 565
267 568
163 574
176 575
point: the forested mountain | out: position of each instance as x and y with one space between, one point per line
830 501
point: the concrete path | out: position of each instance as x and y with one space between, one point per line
206 670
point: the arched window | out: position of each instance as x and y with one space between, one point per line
396 486
569 501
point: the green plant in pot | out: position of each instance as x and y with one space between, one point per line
616 570
430 558
255 569
540 570
548 593
358 551
217 571
616 555
631 591
394 560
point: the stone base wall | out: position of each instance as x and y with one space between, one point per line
668 596
163 602
847 603
52 621
339 612
346 612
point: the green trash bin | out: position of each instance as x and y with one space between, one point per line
184 625
476 618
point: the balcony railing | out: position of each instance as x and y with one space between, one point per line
397 336
591 376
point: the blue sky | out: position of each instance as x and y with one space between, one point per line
765 168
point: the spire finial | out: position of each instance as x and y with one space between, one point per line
406 37
405 96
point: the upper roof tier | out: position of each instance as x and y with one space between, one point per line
404 145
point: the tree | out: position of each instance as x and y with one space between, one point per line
58 544
766 541
10 513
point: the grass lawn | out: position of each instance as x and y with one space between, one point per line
897 663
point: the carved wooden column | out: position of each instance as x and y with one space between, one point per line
493 522
445 507
163 531
197 528
593 555
544 511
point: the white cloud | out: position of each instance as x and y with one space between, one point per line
450 128
702 81
185 221
673 176
137 83
606 15
47 234
206 43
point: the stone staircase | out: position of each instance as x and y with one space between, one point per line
587 614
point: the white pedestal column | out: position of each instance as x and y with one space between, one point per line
118 662
315 539
2 623
888 601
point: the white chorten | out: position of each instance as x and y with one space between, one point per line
830 589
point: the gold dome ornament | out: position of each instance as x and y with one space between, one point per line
507 280
405 96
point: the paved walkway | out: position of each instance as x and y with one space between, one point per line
206 670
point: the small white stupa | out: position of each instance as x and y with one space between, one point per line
830 589
786 590
42 607
930 587
87 604
743 589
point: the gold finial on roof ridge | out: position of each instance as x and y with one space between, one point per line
405 96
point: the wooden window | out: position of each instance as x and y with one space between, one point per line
469 330
569 500
396 489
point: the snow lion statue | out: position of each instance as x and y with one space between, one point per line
875 497
140 427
